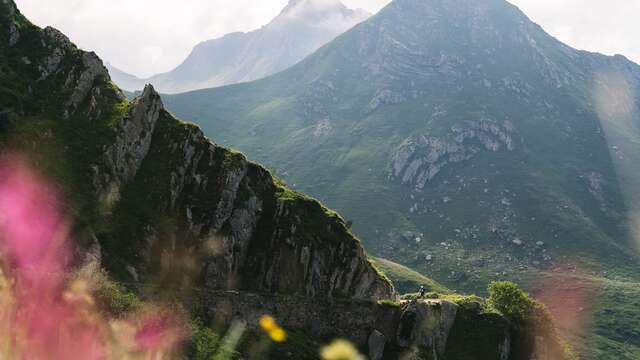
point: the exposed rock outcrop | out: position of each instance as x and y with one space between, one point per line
10 7
426 325
540 349
160 198
84 82
384 97
419 159
376 344
246 231
419 329
14 34
124 156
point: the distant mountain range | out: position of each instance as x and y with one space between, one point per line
301 28
463 141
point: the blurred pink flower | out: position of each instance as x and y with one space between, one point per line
33 242
46 318
158 332
31 222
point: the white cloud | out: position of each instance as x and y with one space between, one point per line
148 36
606 26
370 5
145 37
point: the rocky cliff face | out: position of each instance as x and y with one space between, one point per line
416 329
245 229
419 159
167 197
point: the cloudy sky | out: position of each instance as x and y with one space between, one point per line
145 37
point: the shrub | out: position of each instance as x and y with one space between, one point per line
204 341
530 317
113 297
507 298
389 303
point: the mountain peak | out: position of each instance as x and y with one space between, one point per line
457 8
301 28
312 10
293 4
331 15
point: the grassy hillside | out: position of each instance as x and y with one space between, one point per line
460 139
406 280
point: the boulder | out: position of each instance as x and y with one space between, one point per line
377 342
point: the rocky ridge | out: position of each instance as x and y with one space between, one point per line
419 329
415 329
229 212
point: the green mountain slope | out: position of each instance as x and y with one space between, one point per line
406 280
461 139
176 218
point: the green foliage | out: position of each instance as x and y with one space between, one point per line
529 317
390 303
507 298
210 343
416 296
299 346
609 324
119 111
115 298
467 301
471 302
203 341
285 193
